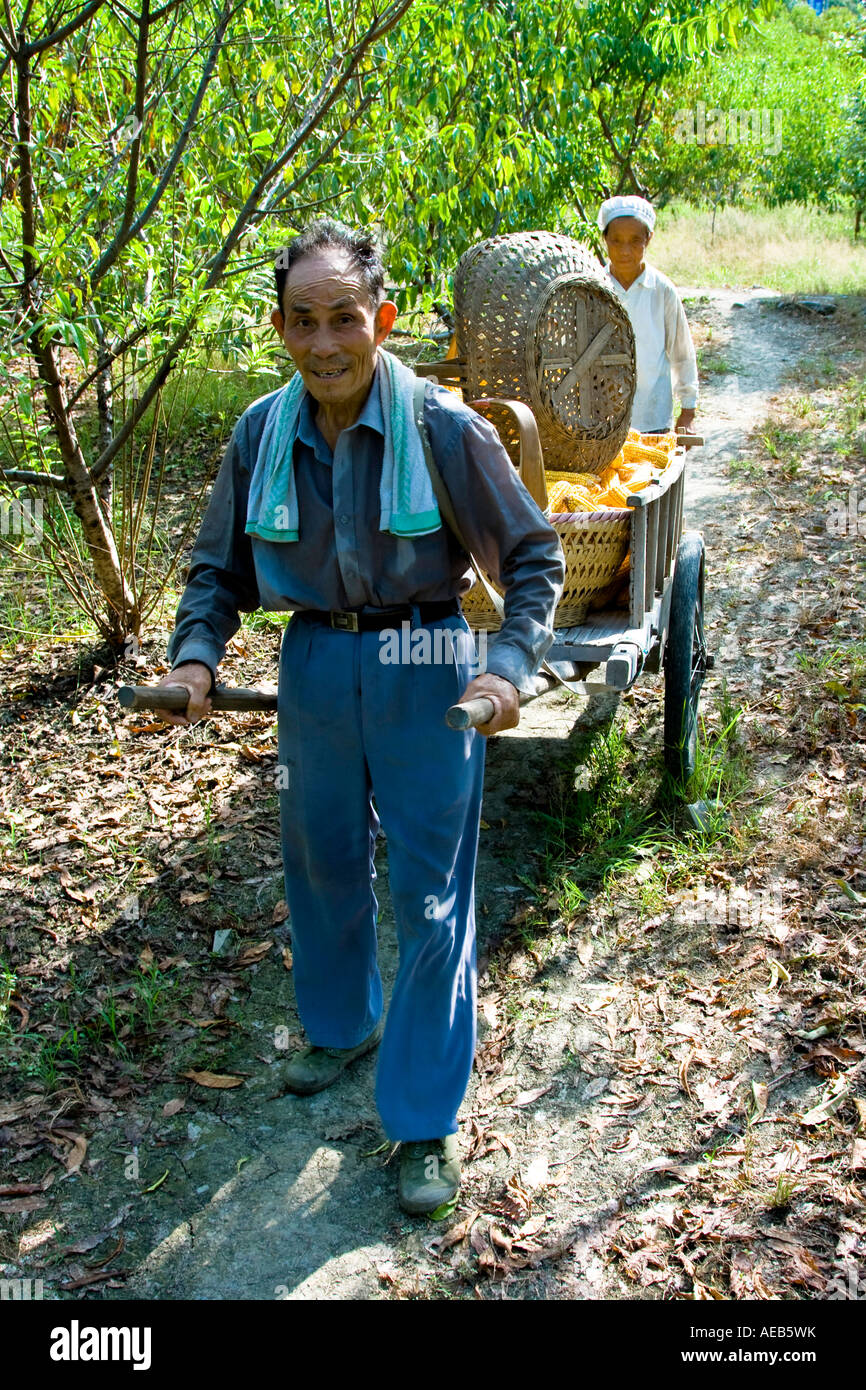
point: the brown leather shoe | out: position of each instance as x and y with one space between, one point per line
429 1174
316 1068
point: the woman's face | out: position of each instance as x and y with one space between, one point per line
627 239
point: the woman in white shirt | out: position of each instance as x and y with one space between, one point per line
666 362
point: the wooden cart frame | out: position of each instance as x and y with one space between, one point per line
663 626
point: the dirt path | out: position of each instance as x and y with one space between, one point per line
759 345
614 1055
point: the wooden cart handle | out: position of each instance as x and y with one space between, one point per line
237 699
176 697
470 714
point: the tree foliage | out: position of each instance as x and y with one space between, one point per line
775 114
154 157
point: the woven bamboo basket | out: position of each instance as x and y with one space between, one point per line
594 545
537 323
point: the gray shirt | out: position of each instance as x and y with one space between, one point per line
342 560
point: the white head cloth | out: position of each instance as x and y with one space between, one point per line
627 205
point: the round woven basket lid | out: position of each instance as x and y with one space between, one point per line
538 322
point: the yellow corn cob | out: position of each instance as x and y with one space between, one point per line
612 497
645 453
557 494
563 497
587 480
637 475
660 441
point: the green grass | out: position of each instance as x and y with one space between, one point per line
780 1197
713 363
724 763
123 1028
748 468
792 249
840 670
594 809
8 982
613 824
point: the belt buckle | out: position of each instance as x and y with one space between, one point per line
344 621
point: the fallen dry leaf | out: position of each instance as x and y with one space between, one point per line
858 1154
531 1227
172 1107
93 1279
836 1093
489 1012
684 1074
213 1079
478 1240
18 1111
112 1254
454 1234
251 954
834 1050
684 1171
18 1204
604 1001
26 1189
527 1097
87 1243
702 1292
760 1094
500 1237
585 949
280 913
628 1142
77 1152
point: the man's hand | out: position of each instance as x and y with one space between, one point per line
505 699
685 421
196 678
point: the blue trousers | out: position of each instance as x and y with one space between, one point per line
354 725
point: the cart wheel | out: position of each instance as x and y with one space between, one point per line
685 659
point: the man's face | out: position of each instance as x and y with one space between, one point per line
331 330
627 239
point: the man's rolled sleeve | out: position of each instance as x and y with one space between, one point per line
513 543
221 583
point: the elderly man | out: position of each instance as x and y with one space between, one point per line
666 362
323 505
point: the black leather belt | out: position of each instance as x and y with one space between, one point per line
355 620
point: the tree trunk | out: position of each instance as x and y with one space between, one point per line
105 412
121 616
